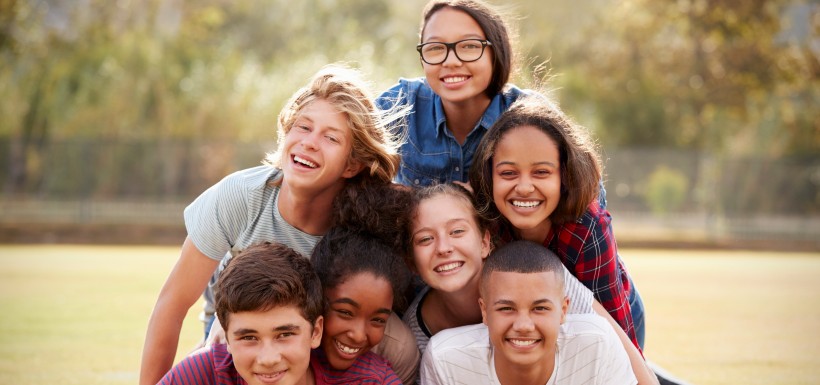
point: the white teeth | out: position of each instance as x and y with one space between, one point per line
448 267
523 342
526 203
346 349
455 79
305 162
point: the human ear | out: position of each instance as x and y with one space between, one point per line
352 168
483 311
486 246
564 307
316 336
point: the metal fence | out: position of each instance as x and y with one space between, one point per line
653 194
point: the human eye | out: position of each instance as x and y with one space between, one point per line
504 309
379 322
301 127
344 313
333 139
458 231
284 335
470 44
247 338
507 174
433 47
543 172
424 240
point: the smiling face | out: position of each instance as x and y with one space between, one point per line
448 246
356 317
455 81
523 313
272 346
317 149
527 180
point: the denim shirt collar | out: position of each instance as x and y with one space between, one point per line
491 114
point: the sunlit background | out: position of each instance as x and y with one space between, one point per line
115 114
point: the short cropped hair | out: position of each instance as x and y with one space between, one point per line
522 256
265 276
580 162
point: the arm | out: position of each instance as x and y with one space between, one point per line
588 248
642 371
183 287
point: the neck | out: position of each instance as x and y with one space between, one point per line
462 117
536 234
308 211
442 310
532 374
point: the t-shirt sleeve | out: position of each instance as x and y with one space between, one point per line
399 348
580 297
616 369
216 218
196 369
431 371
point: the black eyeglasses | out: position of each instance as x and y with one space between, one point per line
467 50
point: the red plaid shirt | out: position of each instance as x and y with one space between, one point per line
587 248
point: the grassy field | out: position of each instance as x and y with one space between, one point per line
77 314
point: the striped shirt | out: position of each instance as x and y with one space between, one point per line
580 302
214 366
589 353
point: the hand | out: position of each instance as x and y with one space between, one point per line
216 335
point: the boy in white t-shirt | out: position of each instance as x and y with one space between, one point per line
526 337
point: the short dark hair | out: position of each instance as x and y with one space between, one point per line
580 162
522 256
496 30
265 276
344 252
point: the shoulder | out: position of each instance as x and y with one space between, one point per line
460 339
200 367
253 178
406 90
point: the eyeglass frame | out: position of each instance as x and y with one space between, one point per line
452 47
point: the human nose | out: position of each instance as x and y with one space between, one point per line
524 186
357 333
309 141
523 322
269 354
443 246
451 59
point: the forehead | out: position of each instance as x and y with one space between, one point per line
529 137
523 287
365 289
444 206
267 320
321 111
451 24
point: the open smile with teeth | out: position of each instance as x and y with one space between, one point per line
346 349
455 79
526 204
304 161
448 267
523 343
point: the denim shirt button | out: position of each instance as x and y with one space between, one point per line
416 181
457 169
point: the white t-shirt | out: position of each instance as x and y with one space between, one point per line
589 353
580 302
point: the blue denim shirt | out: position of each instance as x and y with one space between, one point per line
431 154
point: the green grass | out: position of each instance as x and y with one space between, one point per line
77 314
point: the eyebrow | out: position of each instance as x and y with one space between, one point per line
510 302
357 306
281 328
462 37
307 117
449 222
544 162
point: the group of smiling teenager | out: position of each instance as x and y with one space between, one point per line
451 178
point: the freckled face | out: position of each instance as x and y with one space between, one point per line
527 180
356 318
